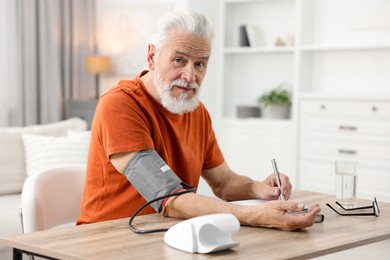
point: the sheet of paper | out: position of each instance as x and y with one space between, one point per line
249 202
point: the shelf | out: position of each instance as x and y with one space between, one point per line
249 1
352 47
269 19
310 48
338 97
254 50
280 123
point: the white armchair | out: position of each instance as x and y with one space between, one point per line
52 198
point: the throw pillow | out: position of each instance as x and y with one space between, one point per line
48 152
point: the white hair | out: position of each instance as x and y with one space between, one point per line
186 19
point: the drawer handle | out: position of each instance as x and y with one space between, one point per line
347 128
346 151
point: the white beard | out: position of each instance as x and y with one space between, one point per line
176 105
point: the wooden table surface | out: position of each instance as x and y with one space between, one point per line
114 240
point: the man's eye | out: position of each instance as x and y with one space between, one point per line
178 60
201 65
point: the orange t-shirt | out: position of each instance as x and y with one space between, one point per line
128 119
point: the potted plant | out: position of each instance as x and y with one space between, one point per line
275 103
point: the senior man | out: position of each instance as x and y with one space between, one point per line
151 136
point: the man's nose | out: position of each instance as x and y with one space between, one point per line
189 73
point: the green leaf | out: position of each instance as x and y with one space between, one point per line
277 96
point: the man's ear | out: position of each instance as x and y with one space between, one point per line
151 56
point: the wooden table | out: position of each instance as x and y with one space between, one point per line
114 240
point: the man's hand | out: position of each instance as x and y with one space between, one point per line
268 189
278 214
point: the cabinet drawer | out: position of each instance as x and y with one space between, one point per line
348 148
358 108
345 126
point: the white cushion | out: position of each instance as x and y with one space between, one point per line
49 152
12 156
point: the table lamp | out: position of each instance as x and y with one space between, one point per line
97 64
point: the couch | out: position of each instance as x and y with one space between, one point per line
27 150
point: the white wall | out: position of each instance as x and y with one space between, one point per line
211 83
124 30
209 92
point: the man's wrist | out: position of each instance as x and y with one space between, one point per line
254 190
243 213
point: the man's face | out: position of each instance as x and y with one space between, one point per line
180 69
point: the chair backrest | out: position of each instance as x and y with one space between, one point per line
52 198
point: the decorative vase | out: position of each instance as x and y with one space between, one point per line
276 111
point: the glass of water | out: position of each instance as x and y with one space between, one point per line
346 181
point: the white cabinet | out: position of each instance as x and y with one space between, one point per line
250 145
352 130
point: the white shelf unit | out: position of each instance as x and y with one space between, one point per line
250 71
250 144
341 52
344 48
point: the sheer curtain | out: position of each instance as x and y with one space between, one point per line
43 44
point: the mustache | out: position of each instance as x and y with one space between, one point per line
184 83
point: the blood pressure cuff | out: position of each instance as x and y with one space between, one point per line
151 176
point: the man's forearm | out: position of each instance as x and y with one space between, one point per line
228 185
192 205
238 187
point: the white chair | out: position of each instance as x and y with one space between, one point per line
52 198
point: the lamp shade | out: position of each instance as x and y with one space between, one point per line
97 64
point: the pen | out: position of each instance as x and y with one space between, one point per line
276 171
